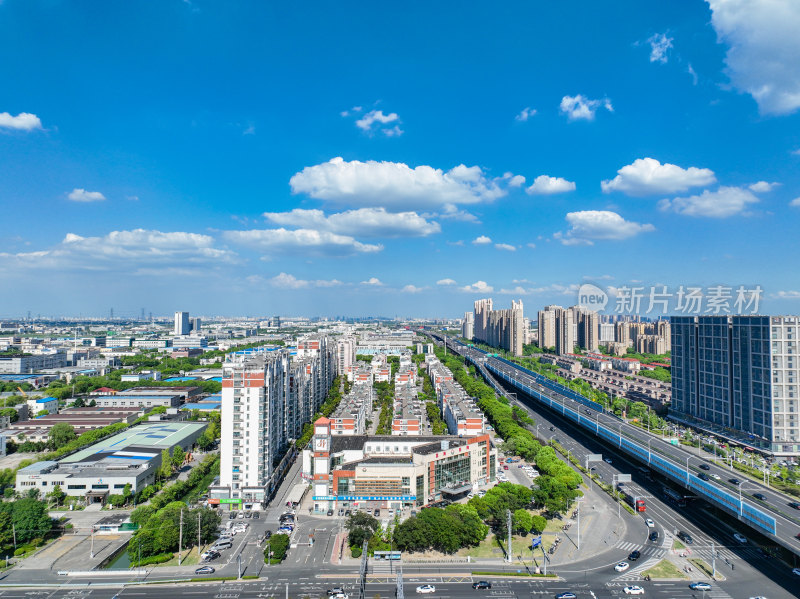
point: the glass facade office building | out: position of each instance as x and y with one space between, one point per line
741 373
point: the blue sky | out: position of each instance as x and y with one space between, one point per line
354 158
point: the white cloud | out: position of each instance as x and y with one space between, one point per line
395 185
513 180
477 287
531 245
554 289
81 195
582 108
373 281
659 45
526 113
724 202
546 185
763 47
505 246
287 281
590 225
795 203
793 295
375 120
647 176
412 289
481 240
445 282
24 121
364 222
796 152
125 251
300 241
763 186
691 71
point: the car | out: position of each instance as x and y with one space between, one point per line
653 536
505 467
330 512
341 511
335 591
622 566
205 570
209 555
705 477
552 428
796 571
256 515
482 584
716 476
426 588
685 537
705 467
248 514
267 534
740 537
377 512
241 515
608 461
733 481
795 505
633 590
347 512
566 595
759 496
700 586
232 516
634 555
650 523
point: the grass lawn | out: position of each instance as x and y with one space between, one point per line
489 547
701 565
190 559
664 569
676 544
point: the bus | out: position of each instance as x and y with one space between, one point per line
674 497
387 555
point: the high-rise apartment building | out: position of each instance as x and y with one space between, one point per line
500 328
742 373
547 327
588 328
345 354
195 324
182 326
565 331
468 325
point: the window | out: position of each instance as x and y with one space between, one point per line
99 486
76 487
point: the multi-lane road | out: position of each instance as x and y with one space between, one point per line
774 503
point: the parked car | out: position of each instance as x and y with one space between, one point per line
256 515
248 514
232 516
205 570
482 584
377 512
426 588
209 555
330 512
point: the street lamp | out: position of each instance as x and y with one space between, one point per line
741 505
687 469
648 450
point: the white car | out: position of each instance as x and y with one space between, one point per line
633 590
608 461
426 588
796 571
739 537
622 566
650 523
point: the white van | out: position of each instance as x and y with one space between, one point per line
222 544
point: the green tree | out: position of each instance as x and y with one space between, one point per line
165 470
61 434
6 530
279 546
178 456
30 518
11 413
521 521
538 523
41 413
57 494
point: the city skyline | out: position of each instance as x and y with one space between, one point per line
257 160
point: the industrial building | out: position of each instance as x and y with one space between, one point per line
130 457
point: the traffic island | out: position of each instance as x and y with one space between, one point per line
665 570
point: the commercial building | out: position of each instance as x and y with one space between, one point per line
26 364
353 411
43 403
131 457
392 471
741 373
459 411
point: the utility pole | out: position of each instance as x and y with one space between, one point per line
14 531
180 538
508 527
198 534
91 550
713 561
578 509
